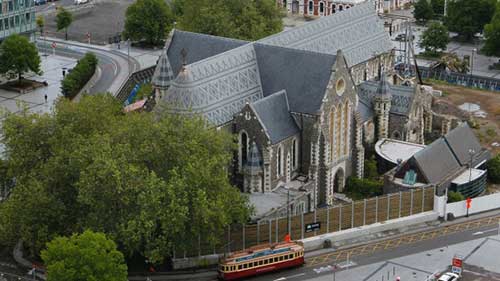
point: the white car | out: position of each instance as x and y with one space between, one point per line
78 2
448 276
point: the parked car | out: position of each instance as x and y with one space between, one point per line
448 276
78 2
402 37
40 2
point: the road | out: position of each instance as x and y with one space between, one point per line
320 267
113 66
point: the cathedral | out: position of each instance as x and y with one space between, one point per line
303 103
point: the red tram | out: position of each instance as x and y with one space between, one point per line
261 259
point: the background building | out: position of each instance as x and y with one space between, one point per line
17 17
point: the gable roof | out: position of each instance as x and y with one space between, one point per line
273 112
402 96
436 161
460 140
198 47
358 32
303 74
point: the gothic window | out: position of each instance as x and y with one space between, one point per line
346 128
243 149
333 8
341 8
347 7
338 132
279 160
295 149
310 7
332 132
321 8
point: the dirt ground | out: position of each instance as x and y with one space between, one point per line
489 127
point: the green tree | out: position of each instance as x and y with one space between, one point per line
469 17
423 11
247 20
437 7
63 20
149 181
371 171
84 257
148 20
492 34
493 166
40 22
358 188
18 55
73 82
434 38
455 196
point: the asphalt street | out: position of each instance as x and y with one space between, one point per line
113 65
320 270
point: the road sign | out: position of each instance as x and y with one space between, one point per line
457 262
313 226
468 202
54 45
456 270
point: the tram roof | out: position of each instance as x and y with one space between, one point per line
253 252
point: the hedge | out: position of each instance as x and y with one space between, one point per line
74 81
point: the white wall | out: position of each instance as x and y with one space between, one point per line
478 205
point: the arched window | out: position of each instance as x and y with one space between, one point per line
333 8
347 7
338 126
321 8
346 128
311 7
284 4
279 159
332 132
341 8
295 149
243 149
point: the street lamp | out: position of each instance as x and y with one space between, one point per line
287 210
471 153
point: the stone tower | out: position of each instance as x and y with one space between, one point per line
382 106
253 171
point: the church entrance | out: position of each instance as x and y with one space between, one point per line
295 7
338 181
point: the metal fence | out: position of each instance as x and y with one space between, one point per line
331 219
466 80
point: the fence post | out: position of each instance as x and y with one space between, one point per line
270 231
258 232
243 232
327 219
388 206
411 199
302 225
277 229
376 209
423 199
340 217
229 238
352 214
364 211
400 202
199 244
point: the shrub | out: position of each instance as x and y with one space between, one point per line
363 188
493 166
74 81
455 196
371 171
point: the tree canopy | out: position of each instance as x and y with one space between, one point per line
437 7
18 55
435 38
493 166
492 34
84 257
148 20
63 20
247 20
149 181
423 11
469 17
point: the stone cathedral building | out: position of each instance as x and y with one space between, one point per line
300 102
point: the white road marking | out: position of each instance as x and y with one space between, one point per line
296 275
280 279
483 232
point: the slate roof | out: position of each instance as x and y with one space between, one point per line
358 32
273 112
303 74
365 111
460 140
163 74
198 47
402 96
436 161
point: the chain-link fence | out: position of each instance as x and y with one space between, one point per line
325 220
466 80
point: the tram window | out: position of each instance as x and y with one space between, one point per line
239 266
290 256
275 259
255 264
245 265
261 262
281 258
